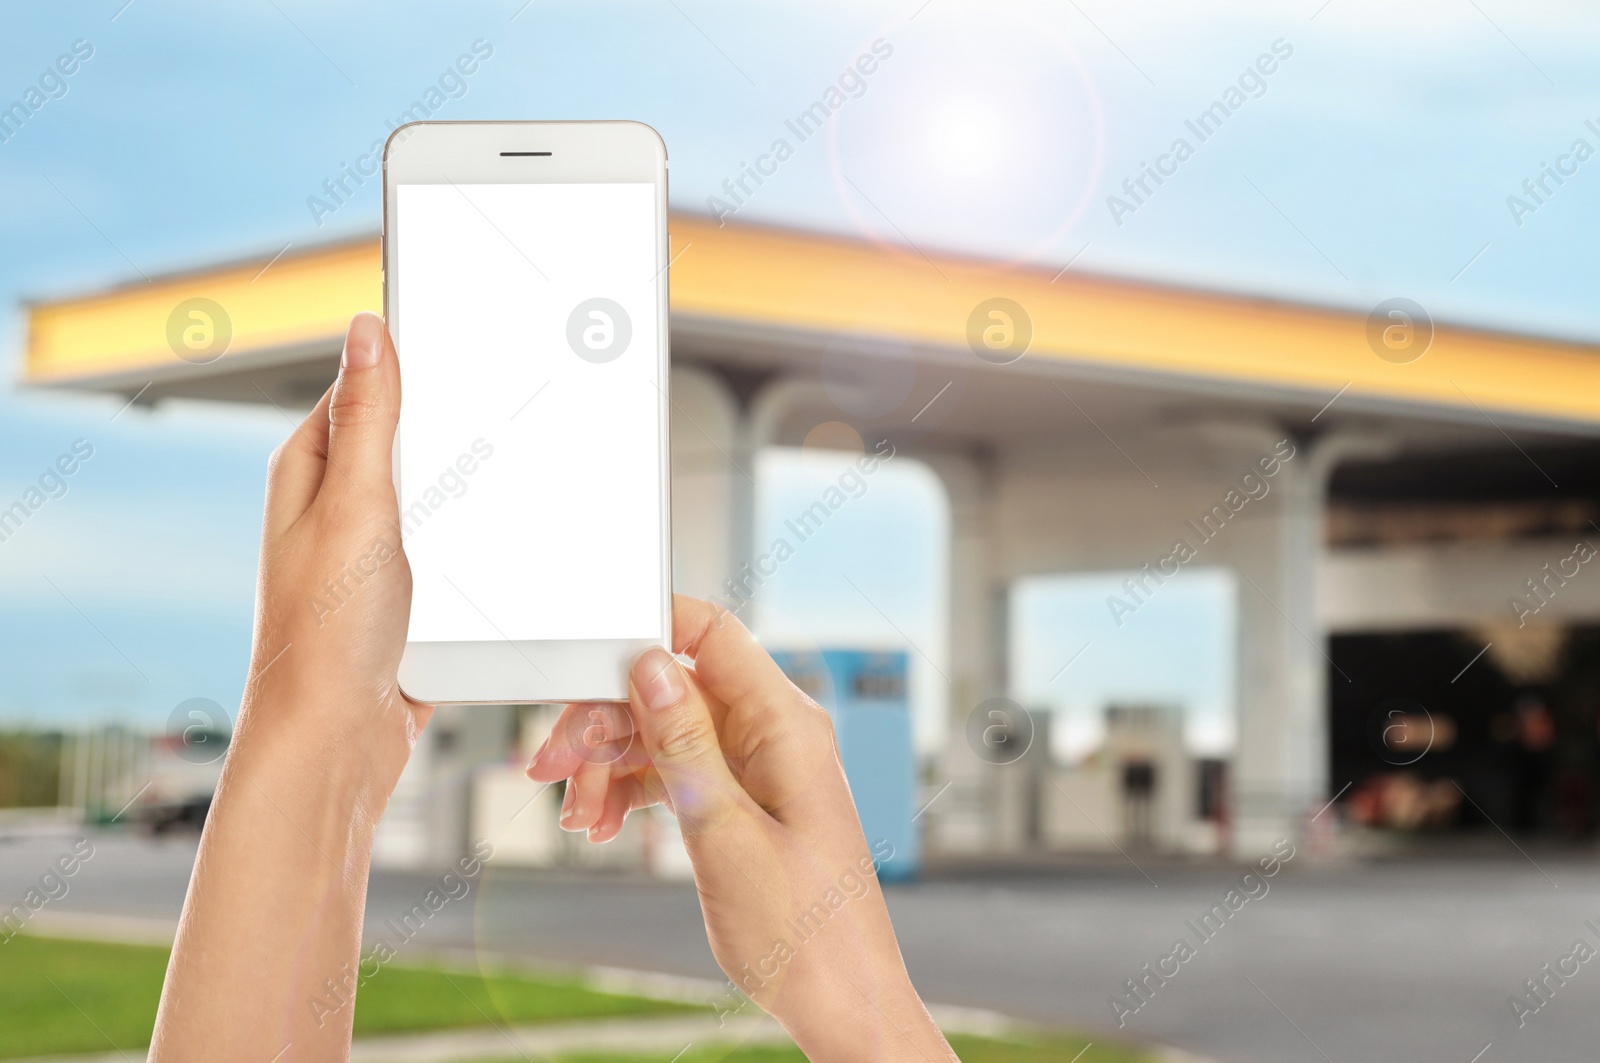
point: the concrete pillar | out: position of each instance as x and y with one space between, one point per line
759 425
965 817
1280 771
713 493
1276 772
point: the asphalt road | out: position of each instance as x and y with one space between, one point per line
1410 961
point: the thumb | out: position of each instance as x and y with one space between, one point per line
364 410
675 725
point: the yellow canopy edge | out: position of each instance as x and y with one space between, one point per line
790 281
298 299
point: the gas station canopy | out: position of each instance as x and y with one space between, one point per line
760 297
1423 487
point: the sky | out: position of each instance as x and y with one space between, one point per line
873 577
1378 158
1070 653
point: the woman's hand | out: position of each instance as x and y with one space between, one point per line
335 590
786 878
268 947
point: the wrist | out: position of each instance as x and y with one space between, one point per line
850 1003
349 742
281 881
300 748
863 1015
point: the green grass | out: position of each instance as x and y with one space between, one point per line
1044 1050
117 986
415 998
970 1049
44 982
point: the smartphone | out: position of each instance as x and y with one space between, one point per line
525 285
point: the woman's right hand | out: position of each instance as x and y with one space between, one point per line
787 882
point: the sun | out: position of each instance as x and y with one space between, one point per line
969 139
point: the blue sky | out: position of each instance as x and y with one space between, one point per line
1375 162
1069 653
874 576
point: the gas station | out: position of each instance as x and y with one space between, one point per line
1422 481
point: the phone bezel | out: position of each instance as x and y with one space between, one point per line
505 671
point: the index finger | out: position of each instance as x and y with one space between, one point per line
728 660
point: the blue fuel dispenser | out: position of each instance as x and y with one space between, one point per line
866 694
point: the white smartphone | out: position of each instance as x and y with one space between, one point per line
525 285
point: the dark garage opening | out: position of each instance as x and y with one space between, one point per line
1432 741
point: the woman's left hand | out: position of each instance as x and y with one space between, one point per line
334 595
269 943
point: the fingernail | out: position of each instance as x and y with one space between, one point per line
658 679
569 805
361 343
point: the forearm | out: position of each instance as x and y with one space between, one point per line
266 961
850 998
269 943
866 1015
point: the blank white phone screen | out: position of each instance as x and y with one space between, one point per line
530 440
